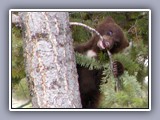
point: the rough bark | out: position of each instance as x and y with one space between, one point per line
49 59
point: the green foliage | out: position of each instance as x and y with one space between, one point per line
130 65
80 34
132 95
90 63
134 60
139 49
17 56
21 90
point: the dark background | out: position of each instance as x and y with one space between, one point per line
82 4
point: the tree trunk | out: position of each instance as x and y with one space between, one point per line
49 59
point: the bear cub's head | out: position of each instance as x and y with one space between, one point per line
113 36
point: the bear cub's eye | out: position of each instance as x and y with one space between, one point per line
110 33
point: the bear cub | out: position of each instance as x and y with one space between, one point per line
89 80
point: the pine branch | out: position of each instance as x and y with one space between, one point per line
90 63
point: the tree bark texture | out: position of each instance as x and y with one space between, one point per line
49 59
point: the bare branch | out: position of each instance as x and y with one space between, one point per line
88 27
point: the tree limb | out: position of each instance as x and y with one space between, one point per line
88 27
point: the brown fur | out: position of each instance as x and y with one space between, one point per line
89 80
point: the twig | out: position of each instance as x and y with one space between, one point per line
88 27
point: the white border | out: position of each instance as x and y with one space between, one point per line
62 10
10 60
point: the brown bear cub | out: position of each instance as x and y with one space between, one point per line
89 80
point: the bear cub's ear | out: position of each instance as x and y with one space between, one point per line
109 20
